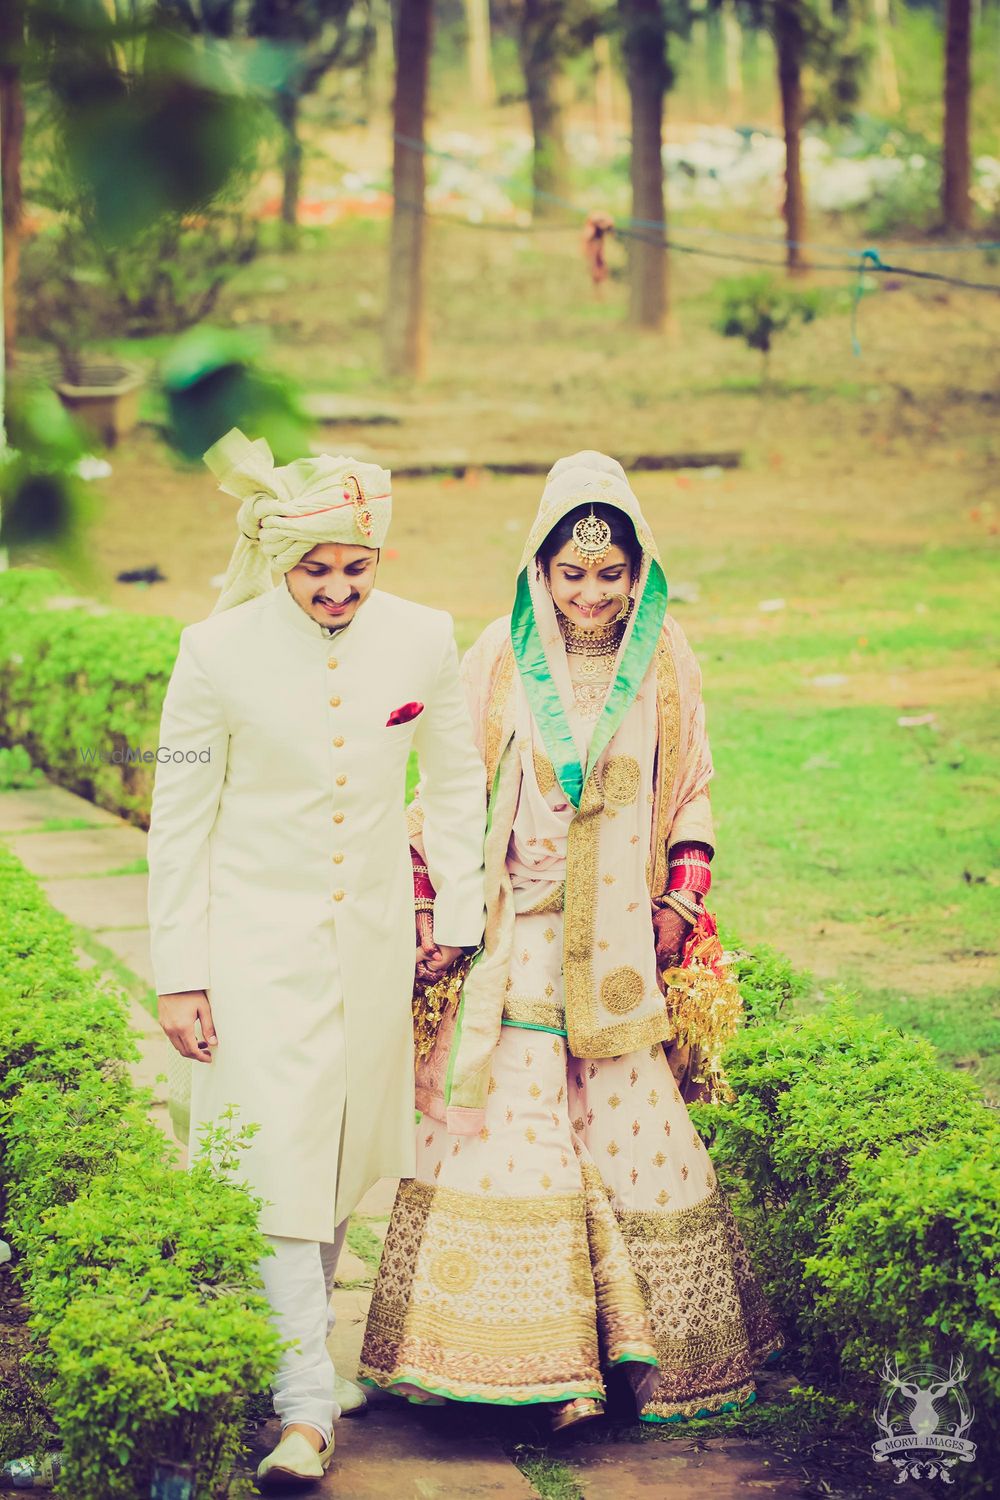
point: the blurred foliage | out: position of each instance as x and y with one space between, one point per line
44 501
152 120
213 380
757 308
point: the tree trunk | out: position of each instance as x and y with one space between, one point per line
539 42
405 325
888 76
787 43
648 77
604 96
11 148
955 199
477 26
291 168
732 33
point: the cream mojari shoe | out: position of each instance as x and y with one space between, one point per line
295 1461
349 1397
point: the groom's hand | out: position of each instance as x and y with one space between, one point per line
178 1014
435 959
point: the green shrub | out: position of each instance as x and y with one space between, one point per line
141 1280
78 683
16 770
867 1178
758 308
768 984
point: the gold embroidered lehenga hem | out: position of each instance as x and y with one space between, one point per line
513 1274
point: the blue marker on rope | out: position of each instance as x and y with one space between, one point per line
859 291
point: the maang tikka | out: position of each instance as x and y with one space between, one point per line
591 539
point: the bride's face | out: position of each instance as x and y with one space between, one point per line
586 596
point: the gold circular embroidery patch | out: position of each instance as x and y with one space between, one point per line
621 779
544 774
453 1271
622 990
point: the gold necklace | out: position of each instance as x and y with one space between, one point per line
604 641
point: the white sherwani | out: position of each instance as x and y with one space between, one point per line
280 881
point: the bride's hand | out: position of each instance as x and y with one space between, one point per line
671 931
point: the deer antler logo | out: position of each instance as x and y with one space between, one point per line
923 1387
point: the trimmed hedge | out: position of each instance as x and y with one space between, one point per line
867 1179
141 1280
83 679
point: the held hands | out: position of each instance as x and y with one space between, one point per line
178 1014
436 960
433 959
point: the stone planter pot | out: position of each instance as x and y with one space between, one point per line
106 399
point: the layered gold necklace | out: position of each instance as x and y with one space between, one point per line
594 646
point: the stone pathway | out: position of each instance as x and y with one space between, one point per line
88 860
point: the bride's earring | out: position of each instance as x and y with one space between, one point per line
624 608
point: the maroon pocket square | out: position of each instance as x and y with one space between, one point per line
404 714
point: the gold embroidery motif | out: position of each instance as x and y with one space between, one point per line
622 990
453 1271
544 773
622 779
589 698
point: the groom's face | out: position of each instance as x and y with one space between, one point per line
332 582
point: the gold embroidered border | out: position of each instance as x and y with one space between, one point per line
499 697
667 752
724 1340
553 901
558 1208
578 933
411 1373
537 1336
671 1225
533 1012
738 1393
581 911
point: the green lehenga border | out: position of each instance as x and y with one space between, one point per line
706 1411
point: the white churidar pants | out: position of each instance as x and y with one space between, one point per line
298 1283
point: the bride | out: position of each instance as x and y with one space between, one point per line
565 1219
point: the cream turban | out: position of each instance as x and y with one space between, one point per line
287 511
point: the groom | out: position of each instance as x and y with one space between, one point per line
280 884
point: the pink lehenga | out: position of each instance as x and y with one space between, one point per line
572 1222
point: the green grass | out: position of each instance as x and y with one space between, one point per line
365 1243
836 821
550 1479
